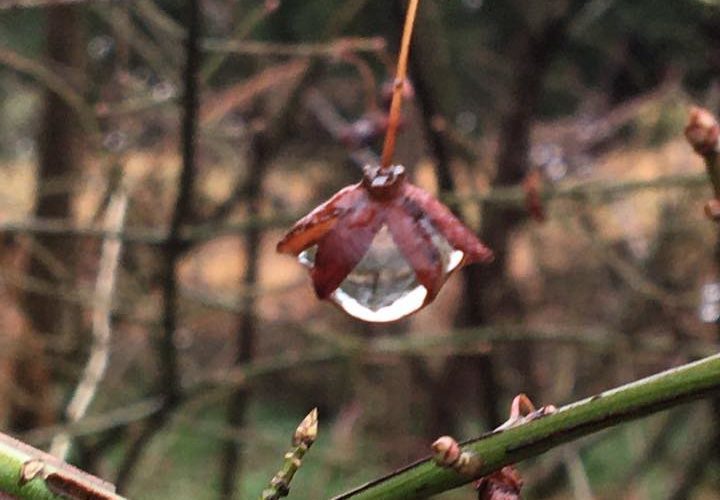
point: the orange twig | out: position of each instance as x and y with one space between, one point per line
396 105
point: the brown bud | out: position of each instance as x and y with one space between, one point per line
702 131
306 432
532 186
523 411
504 484
712 209
446 451
521 406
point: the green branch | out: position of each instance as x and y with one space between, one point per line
28 473
497 449
303 439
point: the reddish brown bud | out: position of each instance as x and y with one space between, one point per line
408 91
446 451
504 484
522 410
712 209
702 131
532 185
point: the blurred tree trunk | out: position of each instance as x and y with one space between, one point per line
487 293
247 321
52 257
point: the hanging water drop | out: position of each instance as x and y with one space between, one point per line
383 286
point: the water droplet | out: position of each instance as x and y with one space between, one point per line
709 313
473 4
115 141
163 91
709 309
383 286
100 47
466 122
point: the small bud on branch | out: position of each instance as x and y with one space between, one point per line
302 440
703 134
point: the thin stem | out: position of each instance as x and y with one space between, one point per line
399 85
94 370
303 439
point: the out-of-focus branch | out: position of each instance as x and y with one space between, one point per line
55 83
338 128
497 449
591 193
156 17
263 49
630 274
240 96
26 4
96 423
100 351
169 382
242 29
578 476
246 338
158 60
695 465
343 348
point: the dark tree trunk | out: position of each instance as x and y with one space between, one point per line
487 293
52 259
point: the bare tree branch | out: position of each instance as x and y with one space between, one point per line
100 351
169 383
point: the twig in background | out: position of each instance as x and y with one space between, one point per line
26 4
690 476
239 97
578 476
303 439
169 383
100 351
152 14
339 129
329 49
592 193
246 338
241 30
162 28
162 63
112 419
55 83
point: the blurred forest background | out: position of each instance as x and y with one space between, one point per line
152 277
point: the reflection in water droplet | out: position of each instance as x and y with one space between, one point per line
383 286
